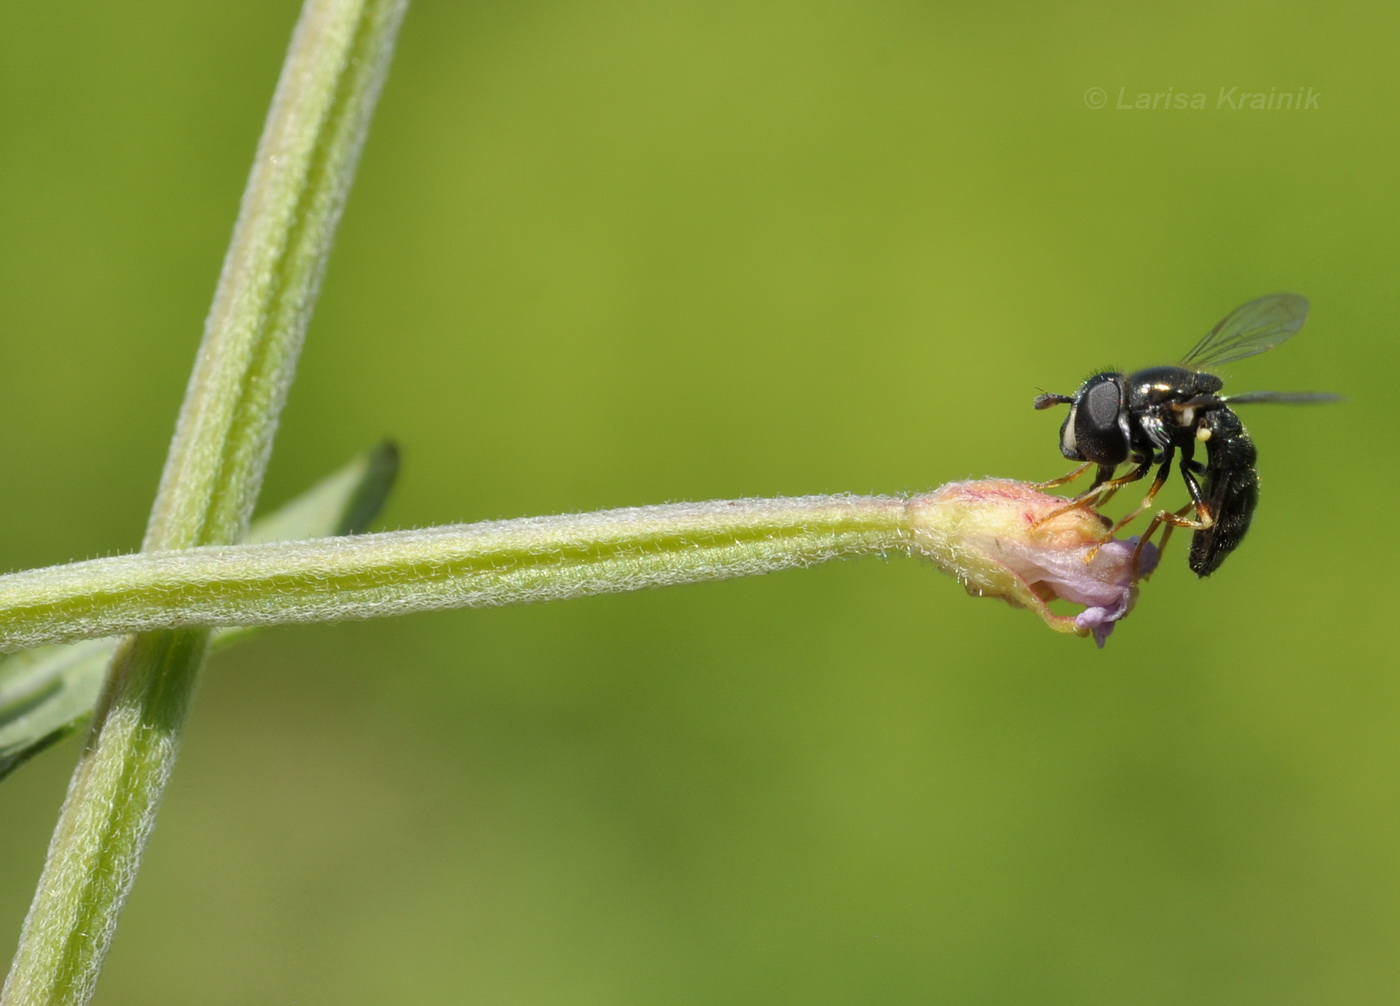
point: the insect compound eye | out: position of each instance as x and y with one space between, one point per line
1096 424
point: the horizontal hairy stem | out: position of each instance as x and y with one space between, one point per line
469 565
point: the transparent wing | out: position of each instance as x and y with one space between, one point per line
1287 397
1252 328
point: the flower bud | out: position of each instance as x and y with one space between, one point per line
998 538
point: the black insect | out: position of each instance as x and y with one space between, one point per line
1147 417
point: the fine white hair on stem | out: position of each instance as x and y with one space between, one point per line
999 538
467 565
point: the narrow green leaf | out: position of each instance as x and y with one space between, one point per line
46 694
49 692
343 503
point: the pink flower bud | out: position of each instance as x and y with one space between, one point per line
989 534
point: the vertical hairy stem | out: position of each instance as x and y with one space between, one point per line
305 161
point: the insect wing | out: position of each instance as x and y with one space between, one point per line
1251 328
1285 397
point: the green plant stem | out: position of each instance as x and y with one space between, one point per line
471 565
305 161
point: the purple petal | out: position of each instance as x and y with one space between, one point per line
1100 619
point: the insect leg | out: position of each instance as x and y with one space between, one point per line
1172 522
1064 479
1204 517
1175 519
1152 491
1106 487
1100 492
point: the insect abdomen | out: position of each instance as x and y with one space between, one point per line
1231 491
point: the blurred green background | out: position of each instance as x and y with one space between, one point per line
608 253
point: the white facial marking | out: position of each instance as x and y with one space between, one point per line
1203 434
